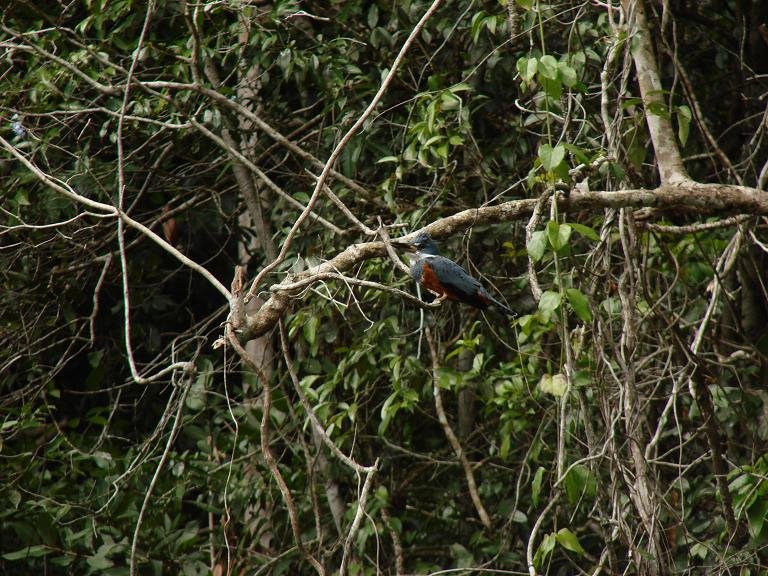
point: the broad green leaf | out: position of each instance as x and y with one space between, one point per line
551 157
518 517
550 301
490 23
373 15
15 497
449 379
548 67
558 234
568 540
21 198
585 231
99 562
553 88
578 152
476 25
683 123
548 544
525 4
657 109
700 551
579 303
579 484
537 245
527 67
756 516
196 395
309 329
567 74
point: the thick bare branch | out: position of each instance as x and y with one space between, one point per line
670 162
690 198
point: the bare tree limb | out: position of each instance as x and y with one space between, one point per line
671 168
690 198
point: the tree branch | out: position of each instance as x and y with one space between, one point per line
670 163
689 198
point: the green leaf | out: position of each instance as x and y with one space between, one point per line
578 152
548 67
558 234
460 87
585 231
657 109
527 68
579 303
568 540
568 74
21 198
28 552
550 301
519 517
756 516
99 562
196 395
476 25
553 384
15 497
525 4
536 486
551 157
545 549
553 88
537 245
310 330
683 123
579 484
387 159
490 23
449 379
373 15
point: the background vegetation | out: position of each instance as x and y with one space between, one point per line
153 423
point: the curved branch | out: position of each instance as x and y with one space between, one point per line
689 198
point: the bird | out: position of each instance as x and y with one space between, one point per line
444 278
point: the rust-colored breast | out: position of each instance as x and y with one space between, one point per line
431 282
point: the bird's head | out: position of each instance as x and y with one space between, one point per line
421 243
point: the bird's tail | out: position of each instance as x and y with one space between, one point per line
503 308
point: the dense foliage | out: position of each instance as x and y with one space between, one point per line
617 425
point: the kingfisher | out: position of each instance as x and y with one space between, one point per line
446 279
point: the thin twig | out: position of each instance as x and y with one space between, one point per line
361 501
160 465
451 435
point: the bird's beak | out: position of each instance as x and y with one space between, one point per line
404 245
